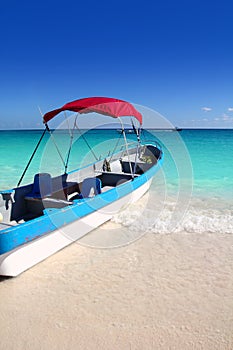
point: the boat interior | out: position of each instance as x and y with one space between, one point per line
27 202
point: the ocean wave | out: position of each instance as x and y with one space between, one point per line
169 219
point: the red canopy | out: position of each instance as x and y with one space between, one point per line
104 105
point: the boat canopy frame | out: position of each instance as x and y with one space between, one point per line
103 105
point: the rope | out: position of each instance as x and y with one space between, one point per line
85 140
29 162
53 139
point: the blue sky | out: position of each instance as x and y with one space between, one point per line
175 57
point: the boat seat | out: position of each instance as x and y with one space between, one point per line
91 186
42 186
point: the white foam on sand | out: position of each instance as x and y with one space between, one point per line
195 220
171 215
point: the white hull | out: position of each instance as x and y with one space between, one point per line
23 257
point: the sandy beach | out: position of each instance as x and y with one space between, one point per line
160 292
87 90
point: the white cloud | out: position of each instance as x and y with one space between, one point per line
206 109
225 117
230 109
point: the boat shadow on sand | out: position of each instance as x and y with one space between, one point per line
4 278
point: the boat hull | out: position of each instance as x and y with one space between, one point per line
29 254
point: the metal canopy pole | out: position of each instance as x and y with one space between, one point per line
126 146
137 132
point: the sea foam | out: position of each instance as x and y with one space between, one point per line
170 217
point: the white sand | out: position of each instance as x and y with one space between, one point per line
162 292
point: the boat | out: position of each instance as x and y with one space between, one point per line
40 218
178 129
127 131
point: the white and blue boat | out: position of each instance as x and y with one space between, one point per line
40 218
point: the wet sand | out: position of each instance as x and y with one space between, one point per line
161 292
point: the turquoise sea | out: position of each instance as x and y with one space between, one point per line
192 192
